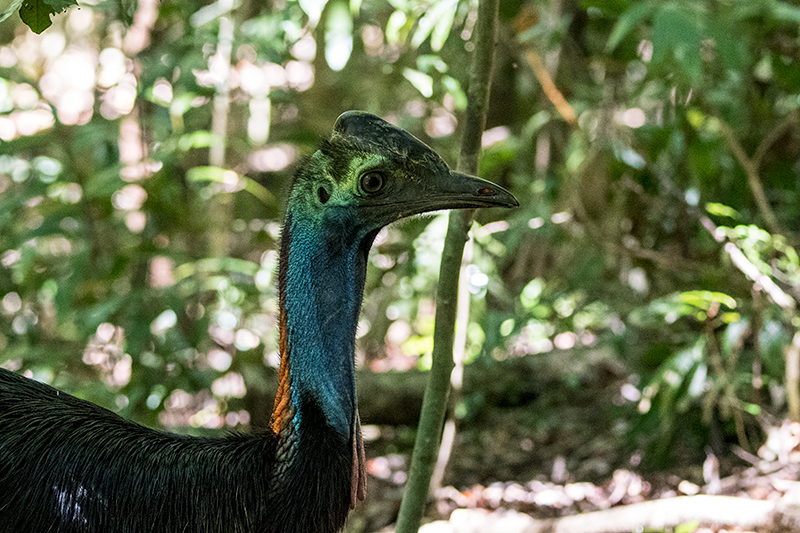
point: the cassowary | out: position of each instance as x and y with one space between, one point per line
69 466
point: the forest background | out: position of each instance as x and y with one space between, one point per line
637 313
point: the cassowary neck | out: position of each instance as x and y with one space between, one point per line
321 282
320 470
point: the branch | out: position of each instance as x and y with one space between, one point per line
435 400
457 375
775 134
666 513
750 167
550 90
782 516
527 19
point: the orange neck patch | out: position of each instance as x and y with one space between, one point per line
282 412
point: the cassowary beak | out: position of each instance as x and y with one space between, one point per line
443 190
458 190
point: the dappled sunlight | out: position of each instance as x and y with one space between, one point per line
273 158
69 84
105 352
637 313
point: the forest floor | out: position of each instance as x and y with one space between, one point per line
574 449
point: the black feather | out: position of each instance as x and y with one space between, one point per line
94 471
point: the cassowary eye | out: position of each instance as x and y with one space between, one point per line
372 182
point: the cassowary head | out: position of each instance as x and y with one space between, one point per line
371 173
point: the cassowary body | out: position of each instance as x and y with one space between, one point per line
69 466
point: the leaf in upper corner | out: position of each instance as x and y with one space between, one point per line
36 14
12 7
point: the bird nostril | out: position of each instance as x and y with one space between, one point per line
486 191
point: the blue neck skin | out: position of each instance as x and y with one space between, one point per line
322 276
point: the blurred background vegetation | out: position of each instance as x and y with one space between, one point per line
638 310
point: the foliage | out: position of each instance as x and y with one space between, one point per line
138 272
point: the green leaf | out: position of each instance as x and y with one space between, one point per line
442 28
12 7
453 88
217 174
531 293
59 6
688 527
674 306
397 27
231 178
721 210
422 82
704 299
93 316
429 63
197 139
785 12
438 19
753 409
627 22
355 7
675 34
729 47
216 264
36 14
